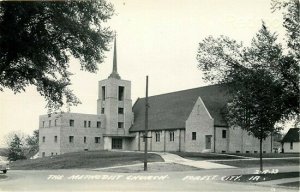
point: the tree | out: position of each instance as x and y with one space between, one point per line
15 149
32 143
38 38
262 79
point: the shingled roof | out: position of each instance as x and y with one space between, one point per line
292 135
171 110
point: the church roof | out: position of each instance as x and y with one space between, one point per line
171 110
292 135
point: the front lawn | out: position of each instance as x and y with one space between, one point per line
86 159
205 156
266 162
268 155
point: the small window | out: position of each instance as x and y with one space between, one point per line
55 122
49 123
84 124
120 125
52 154
71 123
247 151
71 139
121 93
103 93
98 124
144 138
43 124
89 124
44 139
102 110
43 154
223 134
157 136
84 139
194 135
291 145
121 110
97 139
264 151
223 151
55 139
171 135
255 151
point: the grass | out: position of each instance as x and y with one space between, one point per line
157 167
86 159
268 155
266 163
204 156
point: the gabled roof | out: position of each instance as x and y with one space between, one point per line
171 110
292 135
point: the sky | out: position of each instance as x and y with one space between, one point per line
158 38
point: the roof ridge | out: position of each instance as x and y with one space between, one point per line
183 90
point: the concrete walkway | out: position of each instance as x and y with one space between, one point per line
172 158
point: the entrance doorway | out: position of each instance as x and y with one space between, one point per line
208 141
116 143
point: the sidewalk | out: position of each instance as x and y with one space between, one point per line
172 158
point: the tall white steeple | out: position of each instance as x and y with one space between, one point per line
114 74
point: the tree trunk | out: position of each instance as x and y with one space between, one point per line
260 154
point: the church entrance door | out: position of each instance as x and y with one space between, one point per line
208 141
116 143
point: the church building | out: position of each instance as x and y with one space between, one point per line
190 120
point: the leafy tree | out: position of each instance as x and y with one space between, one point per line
15 149
32 143
262 79
38 38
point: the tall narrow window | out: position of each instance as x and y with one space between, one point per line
55 122
84 139
120 125
194 135
224 134
97 139
121 110
71 123
43 124
102 110
103 93
49 123
44 139
157 136
171 135
121 93
84 124
71 139
291 145
89 124
98 124
55 139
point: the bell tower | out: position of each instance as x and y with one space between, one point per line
114 101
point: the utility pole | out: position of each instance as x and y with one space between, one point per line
146 126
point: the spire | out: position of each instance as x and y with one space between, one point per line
114 73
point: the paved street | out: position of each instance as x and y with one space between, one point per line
90 180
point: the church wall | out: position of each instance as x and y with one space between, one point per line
63 130
49 147
287 147
242 142
200 122
221 143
